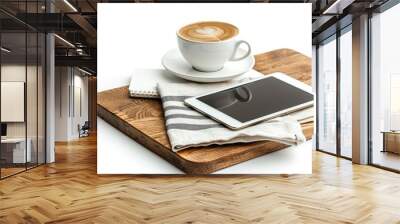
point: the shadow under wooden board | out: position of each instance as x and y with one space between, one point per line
143 120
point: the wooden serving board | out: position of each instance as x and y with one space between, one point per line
143 120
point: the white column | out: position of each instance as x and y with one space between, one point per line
50 99
360 90
50 92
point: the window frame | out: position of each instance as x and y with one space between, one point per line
334 37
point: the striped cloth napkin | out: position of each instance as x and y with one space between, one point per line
187 128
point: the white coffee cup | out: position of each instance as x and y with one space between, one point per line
211 56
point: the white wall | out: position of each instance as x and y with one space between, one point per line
61 103
33 126
70 83
13 100
80 84
12 73
16 72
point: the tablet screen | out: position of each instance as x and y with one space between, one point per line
257 99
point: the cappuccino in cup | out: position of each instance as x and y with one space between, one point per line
207 46
208 31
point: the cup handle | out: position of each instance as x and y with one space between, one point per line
238 43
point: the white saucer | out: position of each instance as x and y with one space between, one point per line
174 62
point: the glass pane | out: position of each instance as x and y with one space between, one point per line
31 100
386 89
327 96
41 98
346 93
13 87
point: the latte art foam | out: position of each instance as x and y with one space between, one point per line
208 31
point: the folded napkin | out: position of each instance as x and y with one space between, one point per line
188 128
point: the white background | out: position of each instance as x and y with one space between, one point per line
137 35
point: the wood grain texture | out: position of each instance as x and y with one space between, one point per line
143 120
70 191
